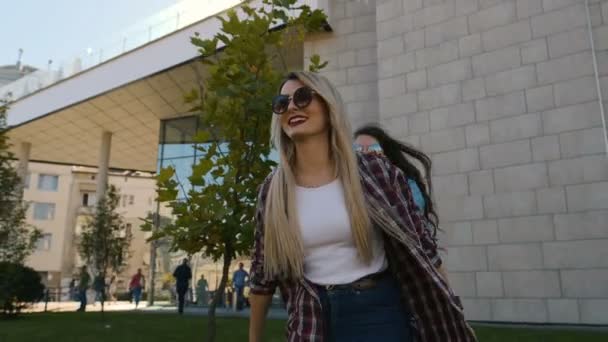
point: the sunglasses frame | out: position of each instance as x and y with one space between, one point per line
298 104
373 148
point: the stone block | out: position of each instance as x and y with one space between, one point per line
478 134
528 8
411 5
466 259
521 177
489 3
570 118
473 89
390 87
561 20
579 226
398 105
396 126
365 23
345 26
455 162
457 233
514 128
366 111
496 107
600 35
357 8
460 209
361 40
434 14
526 229
438 97
463 283
388 10
450 72
481 182
419 123
495 61
565 68
336 77
346 59
392 28
551 200
485 232
576 254
514 257
477 309
575 91
470 45
397 65
551 5
578 143
563 311
510 204
569 42
452 116
416 80
505 154
593 196
450 186
489 284
362 74
440 54
593 311
500 15
579 170
390 47
503 36
447 30
585 283
532 284
534 51
359 92
366 56
444 140
545 148
511 80
539 99
466 6
414 40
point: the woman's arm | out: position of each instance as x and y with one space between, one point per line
259 309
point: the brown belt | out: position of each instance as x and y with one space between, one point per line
365 283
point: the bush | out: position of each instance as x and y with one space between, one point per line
19 286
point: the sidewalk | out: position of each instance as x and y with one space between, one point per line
273 313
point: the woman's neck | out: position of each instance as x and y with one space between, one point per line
314 166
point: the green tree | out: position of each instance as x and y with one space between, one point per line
17 238
104 242
217 215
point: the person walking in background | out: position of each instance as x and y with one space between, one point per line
112 288
136 286
72 290
83 286
202 286
239 280
182 275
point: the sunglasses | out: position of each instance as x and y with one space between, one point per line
301 98
373 148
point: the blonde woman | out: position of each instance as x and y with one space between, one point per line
339 234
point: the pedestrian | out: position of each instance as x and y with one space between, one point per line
182 275
340 234
136 286
202 286
112 286
72 290
83 286
239 280
373 139
99 287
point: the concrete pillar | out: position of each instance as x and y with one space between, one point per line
103 164
24 158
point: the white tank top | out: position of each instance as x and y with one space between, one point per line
330 255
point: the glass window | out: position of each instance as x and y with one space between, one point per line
44 243
128 228
48 182
131 199
44 211
88 199
124 200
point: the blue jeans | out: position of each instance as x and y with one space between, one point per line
369 315
136 295
83 299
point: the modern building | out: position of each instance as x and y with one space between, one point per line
61 201
504 95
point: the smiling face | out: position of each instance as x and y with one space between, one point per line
301 123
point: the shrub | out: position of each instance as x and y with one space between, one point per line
19 286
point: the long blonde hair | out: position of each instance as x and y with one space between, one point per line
283 248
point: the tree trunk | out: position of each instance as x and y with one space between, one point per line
219 292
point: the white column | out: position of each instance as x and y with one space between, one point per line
23 153
103 164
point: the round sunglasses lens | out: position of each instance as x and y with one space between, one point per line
374 148
302 97
280 104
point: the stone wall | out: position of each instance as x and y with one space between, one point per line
502 95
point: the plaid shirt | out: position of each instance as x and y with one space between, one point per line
410 248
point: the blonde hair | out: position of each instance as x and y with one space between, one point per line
283 248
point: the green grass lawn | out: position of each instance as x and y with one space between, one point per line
141 327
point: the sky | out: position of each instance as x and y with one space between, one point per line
62 29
